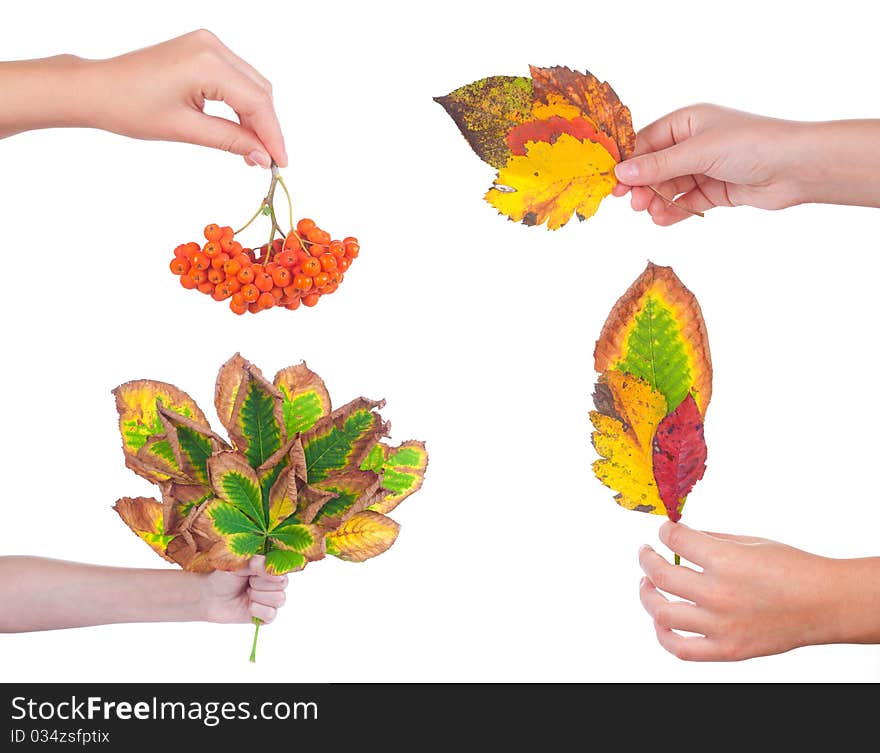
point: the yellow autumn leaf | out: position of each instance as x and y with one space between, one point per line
628 413
364 535
553 181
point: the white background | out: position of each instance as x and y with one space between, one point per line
513 563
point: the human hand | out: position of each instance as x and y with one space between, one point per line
712 156
755 597
159 92
244 594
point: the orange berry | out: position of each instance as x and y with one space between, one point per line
343 264
311 267
350 239
238 299
179 266
302 282
304 225
281 276
207 288
216 276
331 288
328 262
277 293
246 275
234 284
294 304
337 248
237 308
213 232
211 249
250 293
287 258
200 262
311 299
231 267
221 293
219 261
199 275
266 300
263 280
314 234
188 282
352 249
191 249
321 279
180 251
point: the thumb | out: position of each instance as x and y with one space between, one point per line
219 133
655 167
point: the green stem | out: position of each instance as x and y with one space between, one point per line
289 201
247 224
677 560
257 622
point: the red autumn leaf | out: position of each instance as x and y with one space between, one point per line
679 455
552 128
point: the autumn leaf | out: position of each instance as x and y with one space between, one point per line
628 411
486 110
402 470
590 97
656 331
553 181
554 144
144 516
305 398
679 455
362 536
353 491
552 128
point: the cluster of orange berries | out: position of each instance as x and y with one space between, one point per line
298 270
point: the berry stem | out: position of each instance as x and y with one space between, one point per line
289 202
247 224
257 622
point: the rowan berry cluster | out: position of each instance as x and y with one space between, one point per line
298 269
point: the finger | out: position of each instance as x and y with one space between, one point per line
695 546
691 157
262 612
641 198
688 648
620 189
696 201
737 539
244 66
273 599
218 133
676 615
672 188
679 580
664 132
266 582
255 109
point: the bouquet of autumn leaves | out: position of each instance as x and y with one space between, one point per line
655 383
295 481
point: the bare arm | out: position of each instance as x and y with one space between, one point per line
710 156
755 597
46 594
155 93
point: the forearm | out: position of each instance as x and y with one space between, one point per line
45 594
47 93
855 588
840 162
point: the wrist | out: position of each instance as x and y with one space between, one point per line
855 614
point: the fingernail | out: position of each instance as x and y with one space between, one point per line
260 157
643 582
626 171
645 548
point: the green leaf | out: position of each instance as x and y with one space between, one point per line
295 537
343 439
354 491
375 460
305 397
197 449
229 520
280 561
655 352
403 472
236 482
245 544
259 425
